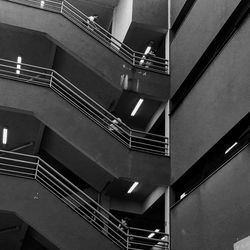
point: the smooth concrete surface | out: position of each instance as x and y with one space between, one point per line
179 9
216 214
200 27
87 137
122 18
97 57
219 100
34 47
83 78
49 216
151 13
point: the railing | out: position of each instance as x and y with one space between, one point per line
33 167
133 139
77 17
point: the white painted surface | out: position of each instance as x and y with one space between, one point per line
243 244
122 18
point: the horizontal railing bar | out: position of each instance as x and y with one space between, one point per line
25 64
147 149
17 153
147 231
16 166
17 160
13 171
21 175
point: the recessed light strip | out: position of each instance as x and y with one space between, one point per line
231 147
5 136
137 106
42 4
18 66
153 234
133 187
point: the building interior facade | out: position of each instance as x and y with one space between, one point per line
127 132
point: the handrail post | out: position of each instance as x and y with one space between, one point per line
130 138
37 165
51 79
61 11
127 247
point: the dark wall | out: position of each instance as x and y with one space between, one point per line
217 102
198 30
216 214
35 48
84 78
151 12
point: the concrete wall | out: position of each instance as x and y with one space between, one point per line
217 102
122 18
83 78
35 48
89 138
49 216
153 13
216 214
200 27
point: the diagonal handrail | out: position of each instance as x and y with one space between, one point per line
81 20
33 167
49 78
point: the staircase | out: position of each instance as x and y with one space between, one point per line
62 212
59 104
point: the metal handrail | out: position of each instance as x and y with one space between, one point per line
81 20
129 238
49 78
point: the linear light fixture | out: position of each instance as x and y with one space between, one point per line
137 106
231 147
42 4
133 187
153 234
147 50
5 136
18 66
183 195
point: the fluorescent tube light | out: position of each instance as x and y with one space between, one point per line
147 50
153 234
42 4
137 106
18 66
231 147
183 195
5 136
133 187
